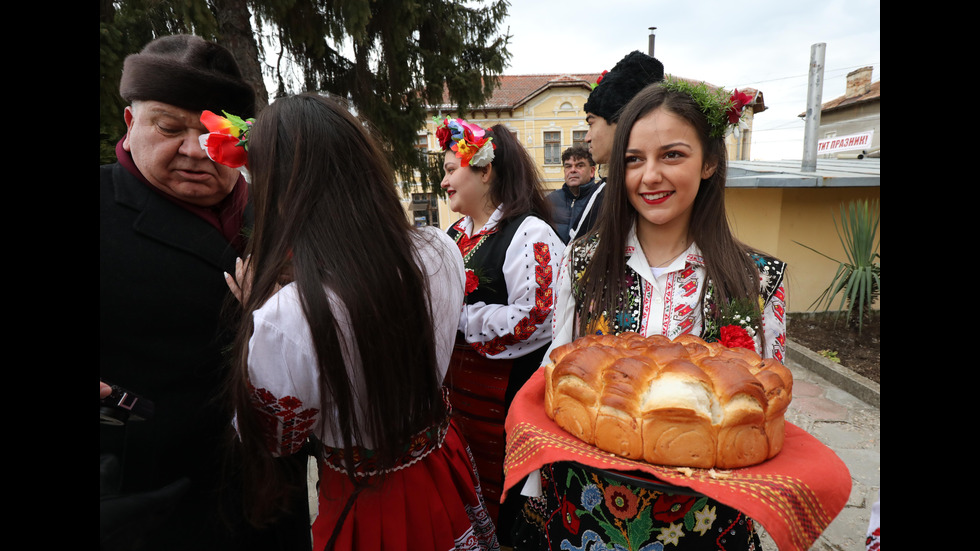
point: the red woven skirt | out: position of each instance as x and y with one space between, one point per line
477 388
434 502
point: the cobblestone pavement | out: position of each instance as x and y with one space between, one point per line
848 425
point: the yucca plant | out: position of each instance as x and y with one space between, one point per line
857 281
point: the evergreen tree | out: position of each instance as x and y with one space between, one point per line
389 58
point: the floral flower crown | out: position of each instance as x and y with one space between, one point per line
468 140
724 112
227 140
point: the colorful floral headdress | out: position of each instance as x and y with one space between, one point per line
724 111
227 140
468 140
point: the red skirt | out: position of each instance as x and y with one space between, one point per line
433 503
477 388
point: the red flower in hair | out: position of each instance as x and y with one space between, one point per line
734 336
221 148
472 281
227 140
598 80
739 101
443 135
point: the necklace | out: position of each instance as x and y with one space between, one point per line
673 258
684 245
653 241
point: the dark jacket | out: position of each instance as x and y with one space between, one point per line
164 334
568 209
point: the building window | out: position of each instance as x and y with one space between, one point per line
425 209
578 137
552 148
422 141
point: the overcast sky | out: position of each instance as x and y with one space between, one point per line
763 44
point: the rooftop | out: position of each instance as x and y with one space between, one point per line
515 90
830 173
874 93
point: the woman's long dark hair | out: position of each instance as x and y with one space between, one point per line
726 259
325 203
516 184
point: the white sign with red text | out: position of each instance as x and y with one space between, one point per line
844 143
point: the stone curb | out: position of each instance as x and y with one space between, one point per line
836 374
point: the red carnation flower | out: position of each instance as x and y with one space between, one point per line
223 148
472 282
739 101
227 139
443 135
734 336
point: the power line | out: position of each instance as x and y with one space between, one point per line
834 71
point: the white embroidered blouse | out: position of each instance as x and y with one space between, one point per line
282 363
523 324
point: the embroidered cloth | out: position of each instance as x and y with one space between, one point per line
794 495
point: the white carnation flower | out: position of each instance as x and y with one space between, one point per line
484 155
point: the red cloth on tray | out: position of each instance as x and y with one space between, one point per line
795 495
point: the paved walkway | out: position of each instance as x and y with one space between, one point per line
843 410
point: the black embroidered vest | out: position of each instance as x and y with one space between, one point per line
486 259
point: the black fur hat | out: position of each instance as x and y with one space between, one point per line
188 72
618 86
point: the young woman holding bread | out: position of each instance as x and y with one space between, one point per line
662 261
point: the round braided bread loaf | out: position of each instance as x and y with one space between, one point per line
684 402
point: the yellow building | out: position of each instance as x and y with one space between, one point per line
774 206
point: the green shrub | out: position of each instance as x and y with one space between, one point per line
857 281
830 355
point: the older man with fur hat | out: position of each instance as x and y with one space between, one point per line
171 222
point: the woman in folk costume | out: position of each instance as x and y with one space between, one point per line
511 254
663 261
352 352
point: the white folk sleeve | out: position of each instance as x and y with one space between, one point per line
283 372
523 324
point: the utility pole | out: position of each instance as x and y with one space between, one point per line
814 101
653 38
